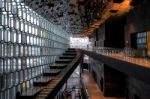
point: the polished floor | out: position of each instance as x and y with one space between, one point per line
92 87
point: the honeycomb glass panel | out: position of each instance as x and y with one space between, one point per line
28 44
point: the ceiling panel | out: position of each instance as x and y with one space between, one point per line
61 12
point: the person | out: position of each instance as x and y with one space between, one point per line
62 96
87 47
78 94
18 94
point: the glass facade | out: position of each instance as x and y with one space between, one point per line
28 44
142 40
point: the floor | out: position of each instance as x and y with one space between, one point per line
92 87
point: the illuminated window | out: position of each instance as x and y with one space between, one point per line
82 42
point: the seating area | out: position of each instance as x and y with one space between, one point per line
52 78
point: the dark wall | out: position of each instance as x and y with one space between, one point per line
100 36
114 32
111 34
114 82
110 81
101 33
137 89
138 19
97 68
133 40
132 78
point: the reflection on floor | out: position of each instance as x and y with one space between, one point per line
92 87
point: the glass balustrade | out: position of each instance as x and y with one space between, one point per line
134 56
129 52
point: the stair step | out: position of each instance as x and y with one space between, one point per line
71 51
67 57
41 96
71 48
63 61
45 92
49 87
48 90
58 66
42 81
30 93
69 54
52 73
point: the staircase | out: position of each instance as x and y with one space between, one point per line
53 77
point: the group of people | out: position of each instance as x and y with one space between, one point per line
68 94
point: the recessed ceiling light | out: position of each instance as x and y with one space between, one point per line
113 11
118 1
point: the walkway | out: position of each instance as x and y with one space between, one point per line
93 89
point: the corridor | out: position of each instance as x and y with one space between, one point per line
92 87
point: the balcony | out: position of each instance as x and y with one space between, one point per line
120 60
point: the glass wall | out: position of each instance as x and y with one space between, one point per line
28 44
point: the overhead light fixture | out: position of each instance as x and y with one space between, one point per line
44 1
60 15
113 11
118 1
50 5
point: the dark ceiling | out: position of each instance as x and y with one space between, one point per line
74 16
66 13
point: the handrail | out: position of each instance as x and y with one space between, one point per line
124 51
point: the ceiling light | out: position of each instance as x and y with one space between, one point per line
118 1
113 11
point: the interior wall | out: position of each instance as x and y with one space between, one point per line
111 34
138 19
114 32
